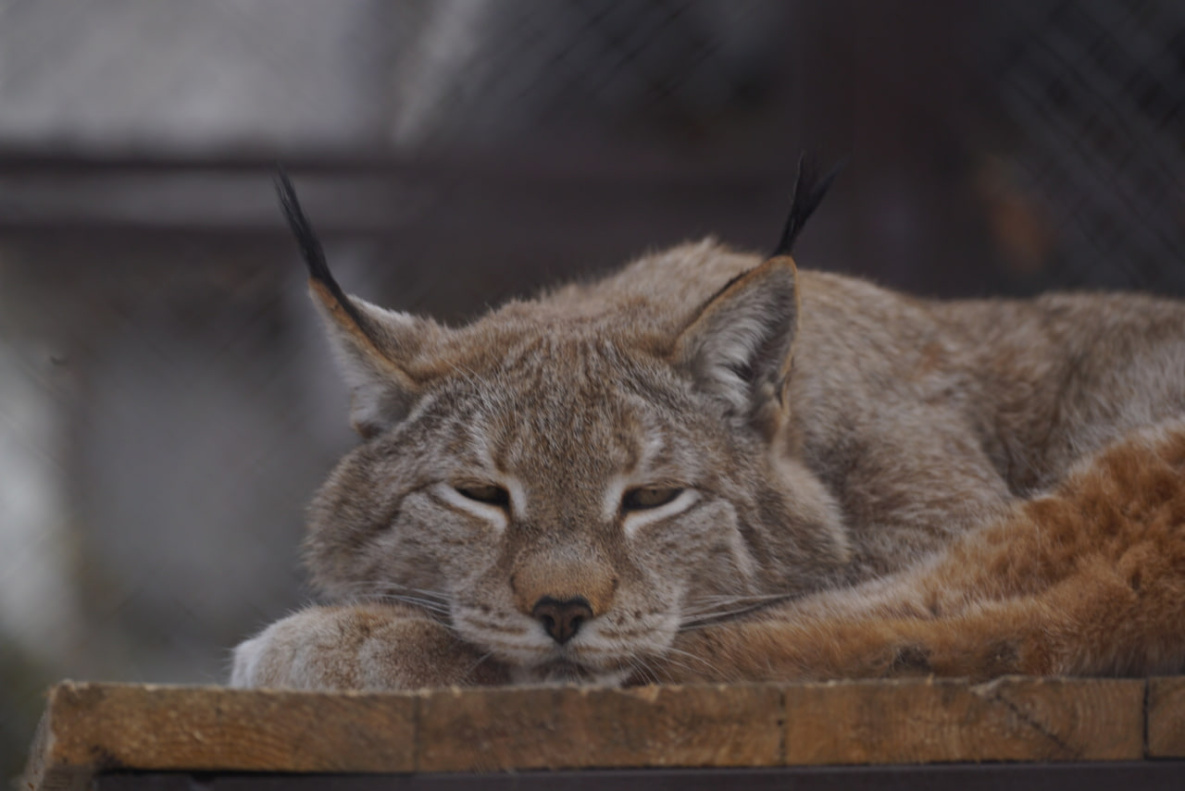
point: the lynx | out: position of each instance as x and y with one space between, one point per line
714 467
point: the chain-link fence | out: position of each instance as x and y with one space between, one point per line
167 405
1097 89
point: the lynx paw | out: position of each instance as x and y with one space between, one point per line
361 647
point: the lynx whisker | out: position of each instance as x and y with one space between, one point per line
730 599
638 668
699 606
380 587
715 616
481 660
697 663
427 605
707 623
424 604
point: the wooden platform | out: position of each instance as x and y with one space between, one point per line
105 731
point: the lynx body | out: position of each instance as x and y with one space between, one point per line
710 466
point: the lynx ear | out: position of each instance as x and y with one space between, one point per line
738 347
809 191
375 347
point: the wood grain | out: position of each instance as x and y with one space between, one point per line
931 721
553 728
1166 717
91 728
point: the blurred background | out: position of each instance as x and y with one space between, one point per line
167 403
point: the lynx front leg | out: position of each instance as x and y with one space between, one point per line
377 647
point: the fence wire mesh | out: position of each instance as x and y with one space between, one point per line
167 405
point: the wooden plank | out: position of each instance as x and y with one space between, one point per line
931 720
558 727
89 728
1166 717
95 727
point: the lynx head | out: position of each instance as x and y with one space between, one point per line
570 482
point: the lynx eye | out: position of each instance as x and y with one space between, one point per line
647 497
485 493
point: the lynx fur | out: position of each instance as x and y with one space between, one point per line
713 467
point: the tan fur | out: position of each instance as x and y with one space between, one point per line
871 484
1087 580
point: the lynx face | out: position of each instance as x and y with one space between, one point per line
567 501
568 484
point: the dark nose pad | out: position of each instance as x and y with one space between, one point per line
562 619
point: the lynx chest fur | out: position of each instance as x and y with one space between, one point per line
702 467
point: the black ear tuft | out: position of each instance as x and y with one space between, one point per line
310 245
809 190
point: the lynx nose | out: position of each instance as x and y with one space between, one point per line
562 619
